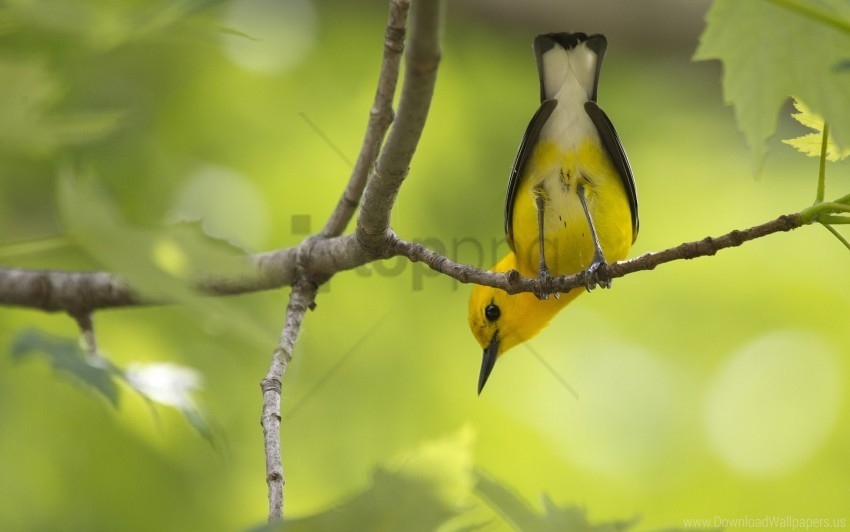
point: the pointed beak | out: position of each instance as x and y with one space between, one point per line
490 353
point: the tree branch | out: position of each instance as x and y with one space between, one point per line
72 292
382 187
302 298
86 324
75 291
423 58
376 177
512 282
380 117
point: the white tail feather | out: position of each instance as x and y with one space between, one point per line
569 74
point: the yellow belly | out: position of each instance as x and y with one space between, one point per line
568 242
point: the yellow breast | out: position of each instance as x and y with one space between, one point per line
557 175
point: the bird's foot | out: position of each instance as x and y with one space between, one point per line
545 288
596 275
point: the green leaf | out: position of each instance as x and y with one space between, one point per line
156 268
165 384
28 125
70 362
103 25
419 491
771 50
394 501
811 144
174 386
201 424
161 264
519 514
32 246
434 488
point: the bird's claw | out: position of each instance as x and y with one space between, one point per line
545 288
596 275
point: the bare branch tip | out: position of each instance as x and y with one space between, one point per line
83 319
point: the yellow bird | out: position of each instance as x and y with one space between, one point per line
571 201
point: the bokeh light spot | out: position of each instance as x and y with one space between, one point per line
169 257
231 206
623 422
278 34
773 403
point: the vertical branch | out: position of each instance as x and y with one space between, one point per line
380 117
302 298
422 60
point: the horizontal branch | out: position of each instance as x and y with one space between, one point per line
74 292
512 282
80 292
323 258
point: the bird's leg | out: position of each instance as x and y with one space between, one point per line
598 262
543 272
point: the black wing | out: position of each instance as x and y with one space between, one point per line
529 141
614 147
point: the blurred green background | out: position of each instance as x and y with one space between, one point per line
707 389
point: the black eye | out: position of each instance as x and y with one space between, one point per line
492 312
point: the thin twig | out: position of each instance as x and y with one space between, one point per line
85 321
512 282
833 220
818 210
300 300
422 60
86 324
837 235
380 118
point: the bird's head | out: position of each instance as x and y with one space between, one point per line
500 321
492 322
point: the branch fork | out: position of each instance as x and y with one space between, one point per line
378 173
